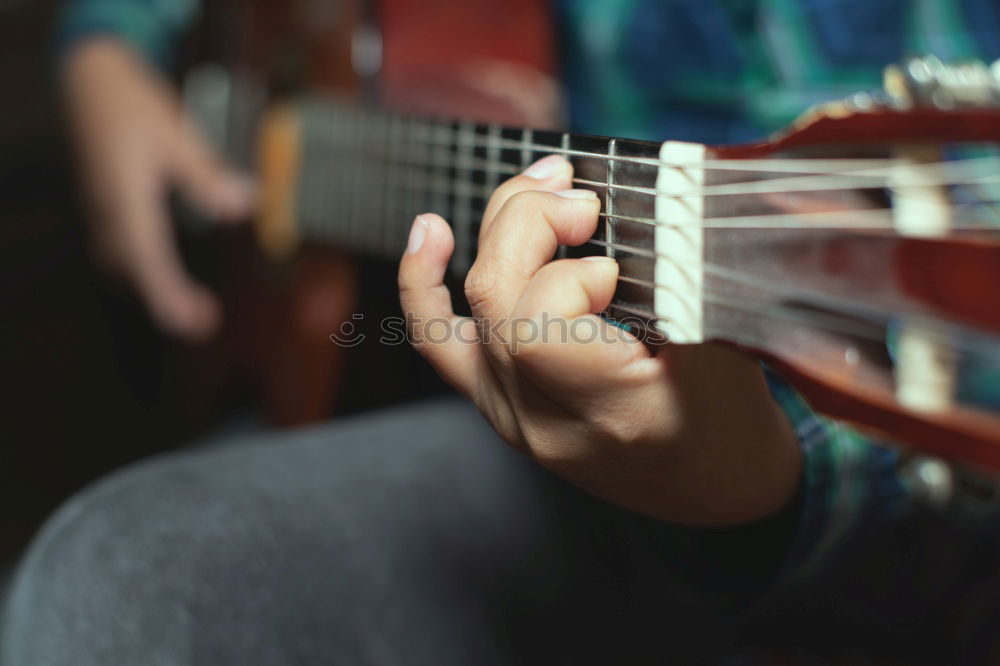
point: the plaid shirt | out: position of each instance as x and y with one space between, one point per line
714 71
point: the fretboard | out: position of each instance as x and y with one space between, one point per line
365 175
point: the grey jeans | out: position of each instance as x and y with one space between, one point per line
408 537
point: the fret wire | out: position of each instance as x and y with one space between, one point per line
441 167
390 186
493 157
609 197
527 137
419 180
463 200
415 176
563 251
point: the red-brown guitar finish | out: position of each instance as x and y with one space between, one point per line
954 276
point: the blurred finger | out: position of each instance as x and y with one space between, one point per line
146 245
215 189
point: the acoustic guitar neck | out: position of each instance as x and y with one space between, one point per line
856 252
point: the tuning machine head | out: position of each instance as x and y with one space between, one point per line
928 82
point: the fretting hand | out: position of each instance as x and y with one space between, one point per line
685 434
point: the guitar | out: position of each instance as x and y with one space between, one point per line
857 253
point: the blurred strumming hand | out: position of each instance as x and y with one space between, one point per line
135 144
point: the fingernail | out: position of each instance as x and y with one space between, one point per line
600 258
577 194
546 168
417 235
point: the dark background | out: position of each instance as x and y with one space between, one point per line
86 382
69 408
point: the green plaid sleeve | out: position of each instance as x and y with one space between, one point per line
848 484
151 27
848 481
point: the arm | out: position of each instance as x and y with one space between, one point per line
742 486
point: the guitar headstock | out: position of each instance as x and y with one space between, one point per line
924 100
858 252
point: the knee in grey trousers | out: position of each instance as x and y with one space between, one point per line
407 537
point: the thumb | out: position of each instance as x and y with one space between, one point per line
206 181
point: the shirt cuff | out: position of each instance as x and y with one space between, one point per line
151 27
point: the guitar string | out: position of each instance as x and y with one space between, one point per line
744 278
802 182
880 216
872 332
491 169
918 175
766 165
881 314
983 344
808 318
749 278
756 281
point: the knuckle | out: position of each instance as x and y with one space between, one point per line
479 287
522 204
506 189
558 271
547 448
617 429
